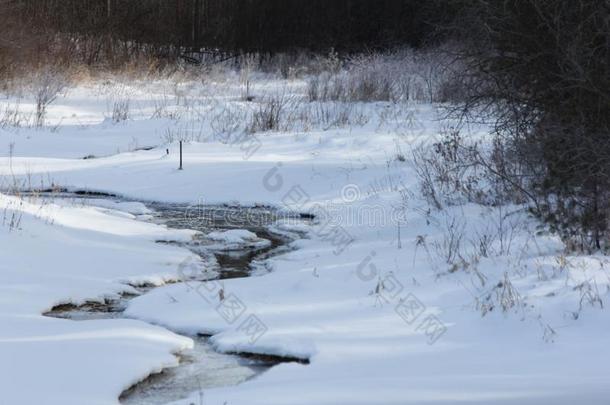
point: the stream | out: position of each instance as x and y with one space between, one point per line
200 368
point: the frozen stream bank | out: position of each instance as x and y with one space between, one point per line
230 250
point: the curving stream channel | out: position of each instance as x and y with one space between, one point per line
200 368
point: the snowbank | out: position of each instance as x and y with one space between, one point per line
385 306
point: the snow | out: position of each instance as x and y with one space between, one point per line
340 303
236 240
62 254
233 236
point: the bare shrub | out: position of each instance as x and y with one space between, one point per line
443 170
503 296
438 74
12 117
247 63
162 109
449 248
328 63
12 215
589 294
453 171
427 75
327 87
46 86
336 115
372 78
362 82
271 114
120 110
192 132
227 120
314 91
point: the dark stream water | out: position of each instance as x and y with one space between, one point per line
200 368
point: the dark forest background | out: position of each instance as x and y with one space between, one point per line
245 25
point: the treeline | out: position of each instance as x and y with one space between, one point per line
246 25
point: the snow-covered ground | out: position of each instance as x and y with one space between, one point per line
392 301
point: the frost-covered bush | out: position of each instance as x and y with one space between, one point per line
270 114
405 75
454 171
120 110
326 115
46 85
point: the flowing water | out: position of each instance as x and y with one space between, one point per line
201 367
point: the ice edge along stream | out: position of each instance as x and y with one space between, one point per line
202 367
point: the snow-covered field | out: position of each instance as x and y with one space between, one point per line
391 300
